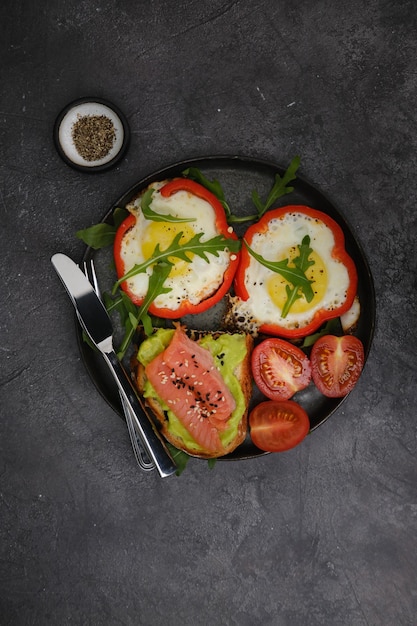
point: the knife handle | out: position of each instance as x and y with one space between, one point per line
151 439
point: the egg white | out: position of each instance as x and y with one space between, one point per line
283 234
194 281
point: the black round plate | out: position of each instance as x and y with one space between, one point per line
238 177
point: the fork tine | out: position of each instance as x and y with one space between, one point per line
86 270
94 277
90 272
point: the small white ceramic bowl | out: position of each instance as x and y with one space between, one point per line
68 119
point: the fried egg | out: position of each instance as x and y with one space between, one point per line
192 281
268 290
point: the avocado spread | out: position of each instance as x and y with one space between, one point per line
228 351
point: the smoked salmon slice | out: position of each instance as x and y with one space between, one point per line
184 375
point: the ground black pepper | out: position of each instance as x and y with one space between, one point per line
93 136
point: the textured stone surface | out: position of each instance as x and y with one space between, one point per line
324 535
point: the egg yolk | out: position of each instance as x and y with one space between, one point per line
317 272
163 233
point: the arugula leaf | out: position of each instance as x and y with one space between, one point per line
332 327
155 288
127 311
179 457
102 235
293 275
292 295
122 304
88 341
212 185
119 216
302 262
131 325
140 314
150 214
181 251
97 236
129 315
279 188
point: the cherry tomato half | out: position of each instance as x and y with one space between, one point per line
336 364
278 426
280 369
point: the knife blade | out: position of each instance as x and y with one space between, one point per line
96 323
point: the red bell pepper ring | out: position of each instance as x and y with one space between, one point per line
338 252
186 307
186 184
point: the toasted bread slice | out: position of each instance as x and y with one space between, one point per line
243 375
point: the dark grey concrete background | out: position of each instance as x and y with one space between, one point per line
324 535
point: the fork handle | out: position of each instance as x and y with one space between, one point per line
151 439
138 447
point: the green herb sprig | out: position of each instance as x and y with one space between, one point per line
331 327
295 275
280 188
132 315
124 306
181 458
155 288
301 262
102 235
183 251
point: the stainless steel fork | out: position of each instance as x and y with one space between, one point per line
141 457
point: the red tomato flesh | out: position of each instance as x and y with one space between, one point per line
280 369
278 426
336 364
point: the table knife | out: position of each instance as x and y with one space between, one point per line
96 323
